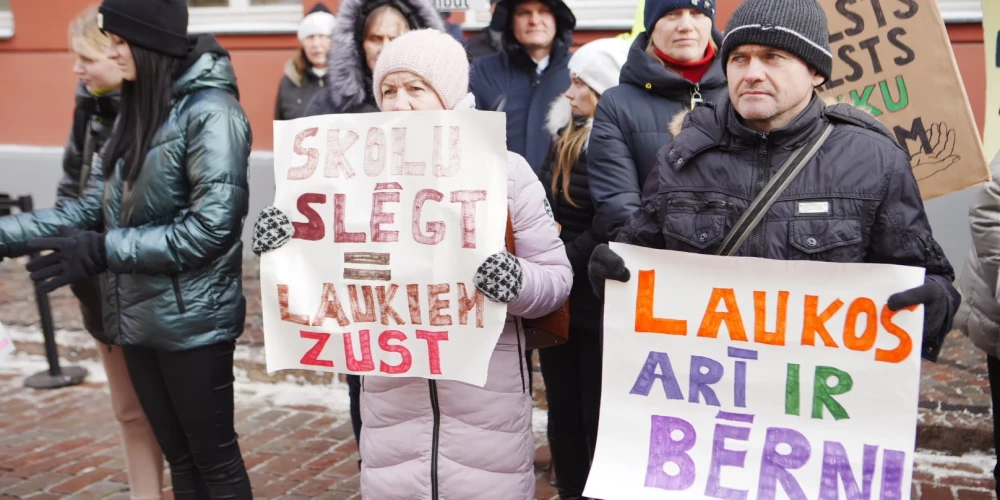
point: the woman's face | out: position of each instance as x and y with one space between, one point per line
121 54
683 34
581 98
317 49
404 91
388 26
98 73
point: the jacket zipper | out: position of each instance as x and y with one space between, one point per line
699 205
177 292
118 301
434 439
763 175
696 96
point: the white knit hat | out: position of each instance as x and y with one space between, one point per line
599 63
432 55
317 23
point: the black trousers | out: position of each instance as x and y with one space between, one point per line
188 398
572 374
354 391
993 365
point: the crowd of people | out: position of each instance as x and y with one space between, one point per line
676 136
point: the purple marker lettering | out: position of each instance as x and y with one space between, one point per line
836 464
644 382
701 381
721 456
775 466
740 375
664 449
892 474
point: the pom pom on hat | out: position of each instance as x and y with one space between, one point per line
319 22
432 55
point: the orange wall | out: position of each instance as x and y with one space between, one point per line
37 88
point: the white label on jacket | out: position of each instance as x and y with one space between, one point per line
814 207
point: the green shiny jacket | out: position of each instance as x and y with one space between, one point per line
174 279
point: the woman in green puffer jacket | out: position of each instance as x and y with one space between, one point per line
160 222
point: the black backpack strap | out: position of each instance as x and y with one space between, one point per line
758 208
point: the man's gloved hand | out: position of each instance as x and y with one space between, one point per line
940 301
76 255
500 277
605 264
271 231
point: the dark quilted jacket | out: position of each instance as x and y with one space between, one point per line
630 126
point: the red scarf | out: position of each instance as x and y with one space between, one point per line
692 71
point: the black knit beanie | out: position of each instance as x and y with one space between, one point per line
798 26
655 9
156 25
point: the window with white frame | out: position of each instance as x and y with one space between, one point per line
244 16
620 14
6 20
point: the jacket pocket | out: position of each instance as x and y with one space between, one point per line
829 240
177 292
691 225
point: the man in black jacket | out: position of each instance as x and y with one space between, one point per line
856 200
487 42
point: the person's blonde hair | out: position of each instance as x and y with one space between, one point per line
568 147
85 31
382 11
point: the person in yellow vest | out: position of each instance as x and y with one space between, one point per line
637 26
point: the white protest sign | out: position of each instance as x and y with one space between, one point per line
743 378
393 214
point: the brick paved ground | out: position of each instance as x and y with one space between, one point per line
63 444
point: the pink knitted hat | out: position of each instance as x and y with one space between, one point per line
434 56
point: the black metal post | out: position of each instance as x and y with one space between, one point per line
56 376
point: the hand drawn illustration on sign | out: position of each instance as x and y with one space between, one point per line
883 53
392 213
745 378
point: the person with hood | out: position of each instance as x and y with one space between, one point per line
572 371
852 198
160 221
363 28
979 315
487 41
672 66
445 439
306 72
529 75
97 102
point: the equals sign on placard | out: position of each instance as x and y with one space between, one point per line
371 258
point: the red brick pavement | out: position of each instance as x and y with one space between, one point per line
64 444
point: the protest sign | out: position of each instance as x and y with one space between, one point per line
393 214
6 345
744 378
894 59
991 35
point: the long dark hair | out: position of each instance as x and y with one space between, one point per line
145 106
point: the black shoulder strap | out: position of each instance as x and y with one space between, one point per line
758 208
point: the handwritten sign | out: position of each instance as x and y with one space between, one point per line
894 59
393 214
6 344
756 379
991 35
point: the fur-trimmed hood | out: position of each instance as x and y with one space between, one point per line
349 80
560 114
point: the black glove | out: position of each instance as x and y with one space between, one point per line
500 277
77 255
605 264
940 301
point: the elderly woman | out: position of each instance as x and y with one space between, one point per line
671 67
305 74
444 439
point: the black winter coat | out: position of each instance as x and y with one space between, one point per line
296 90
484 43
93 119
855 201
630 126
509 81
576 232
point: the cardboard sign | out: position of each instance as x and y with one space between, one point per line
393 214
991 35
743 378
893 58
6 344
